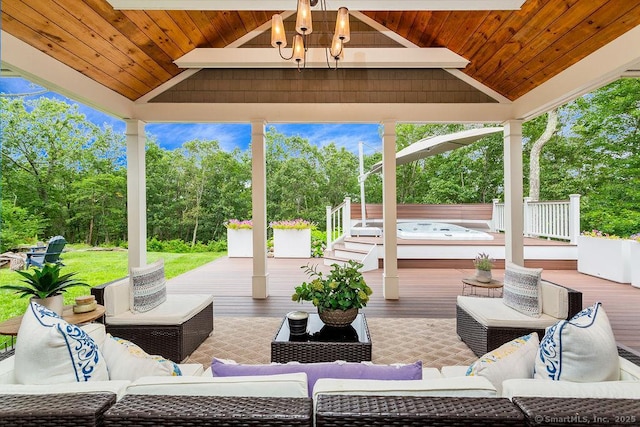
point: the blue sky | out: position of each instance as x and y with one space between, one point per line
230 136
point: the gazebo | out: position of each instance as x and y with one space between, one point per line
457 61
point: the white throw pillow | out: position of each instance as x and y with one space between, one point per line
515 359
51 351
521 289
582 349
127 361
148 287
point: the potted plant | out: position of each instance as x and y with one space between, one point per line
292 238
338 295
483 263
239 238
45 286
604 255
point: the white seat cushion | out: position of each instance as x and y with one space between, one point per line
459 386
492 312
546 388
280 385
177 309
555 300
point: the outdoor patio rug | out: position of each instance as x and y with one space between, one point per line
433 341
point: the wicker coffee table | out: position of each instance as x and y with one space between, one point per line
323 343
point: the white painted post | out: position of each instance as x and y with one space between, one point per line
361 179
527 217
259 279
574 218
494 216
390 279
329 229
513 193
136 193
346 217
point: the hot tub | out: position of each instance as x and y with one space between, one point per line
439 231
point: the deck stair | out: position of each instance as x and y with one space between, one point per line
344 251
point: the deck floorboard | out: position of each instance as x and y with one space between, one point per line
424 292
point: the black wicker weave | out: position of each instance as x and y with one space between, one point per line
69 409
5 354
556 411
345 410
482 339
148 410
174 342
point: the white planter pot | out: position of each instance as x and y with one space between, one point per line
634 263
240 243
292 243
54 303
606 258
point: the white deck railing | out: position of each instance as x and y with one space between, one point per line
551 219
338 222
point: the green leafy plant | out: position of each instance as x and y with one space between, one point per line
483 262
292 224
236 224
44 282
342 288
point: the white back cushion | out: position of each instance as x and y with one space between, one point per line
117 297
555 300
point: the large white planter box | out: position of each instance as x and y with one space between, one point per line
606 258
634 263
240 243
290 243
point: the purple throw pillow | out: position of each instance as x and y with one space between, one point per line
315 371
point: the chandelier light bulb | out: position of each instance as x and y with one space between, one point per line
278 36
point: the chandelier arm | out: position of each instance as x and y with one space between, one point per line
282 56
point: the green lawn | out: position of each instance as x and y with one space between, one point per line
96 268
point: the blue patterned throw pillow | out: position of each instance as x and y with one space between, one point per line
148 287
582 349
51 351
521 290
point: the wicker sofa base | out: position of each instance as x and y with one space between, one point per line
482 339
174 342
150 410
347 410
557 411
68 409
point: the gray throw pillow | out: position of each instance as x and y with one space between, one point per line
148 287
522 290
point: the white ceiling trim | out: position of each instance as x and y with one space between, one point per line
382 29
52 74
600 68
476 84
323 113
438 57
368 5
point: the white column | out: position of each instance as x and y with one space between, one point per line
513 193
390 281
259 280
574 218
136 193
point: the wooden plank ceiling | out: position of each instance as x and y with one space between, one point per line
132 52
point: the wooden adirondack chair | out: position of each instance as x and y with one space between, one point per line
51 253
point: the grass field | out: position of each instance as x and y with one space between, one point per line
95 268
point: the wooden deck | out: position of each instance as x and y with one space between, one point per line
429 293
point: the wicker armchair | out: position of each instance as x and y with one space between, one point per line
482 338
174 341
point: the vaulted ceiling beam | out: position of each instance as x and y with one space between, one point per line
364 5
437 57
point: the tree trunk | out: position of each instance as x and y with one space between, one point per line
534 160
